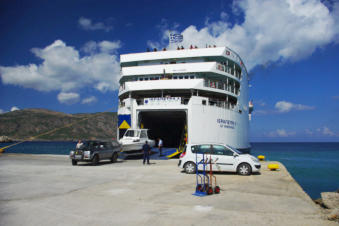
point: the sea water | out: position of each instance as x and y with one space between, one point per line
315 166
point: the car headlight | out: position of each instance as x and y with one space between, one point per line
71 153
254 159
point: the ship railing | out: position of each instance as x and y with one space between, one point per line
229 70
221 104
221 85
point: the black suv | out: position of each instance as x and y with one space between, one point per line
94 151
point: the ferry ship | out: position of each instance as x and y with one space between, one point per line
183 96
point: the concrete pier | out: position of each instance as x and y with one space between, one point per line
48 190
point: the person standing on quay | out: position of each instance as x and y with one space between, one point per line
160 143
146 148
79 144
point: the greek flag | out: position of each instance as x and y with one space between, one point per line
175 38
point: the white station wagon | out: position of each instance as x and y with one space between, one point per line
224 158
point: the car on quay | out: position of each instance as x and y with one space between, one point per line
133 141
94 151
223 158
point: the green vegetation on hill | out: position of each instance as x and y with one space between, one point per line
23 124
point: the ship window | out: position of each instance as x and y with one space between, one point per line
203 102
180 77
141 79
186 77
173 62
146 79
192 77
156 78
175 77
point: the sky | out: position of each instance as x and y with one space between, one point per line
64 55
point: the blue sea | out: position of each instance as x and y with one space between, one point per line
315 166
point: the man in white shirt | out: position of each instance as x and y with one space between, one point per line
79 144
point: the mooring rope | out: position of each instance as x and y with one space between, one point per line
2 149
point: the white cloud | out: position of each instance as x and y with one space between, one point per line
63 69
224 16
284 106
327 132
271 30
68 98
260 112
89 100
309 132
14 108
90 47
281 133
260 103
165 28
324 131
108 47
87 24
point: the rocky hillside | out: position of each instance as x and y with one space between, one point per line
23 124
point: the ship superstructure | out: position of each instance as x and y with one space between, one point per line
187 95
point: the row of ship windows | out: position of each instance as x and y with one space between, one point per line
228 85
166 77
184 101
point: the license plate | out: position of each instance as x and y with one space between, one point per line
78 156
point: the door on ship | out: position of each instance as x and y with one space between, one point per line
167 125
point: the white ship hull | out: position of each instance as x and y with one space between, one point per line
208 124
198 102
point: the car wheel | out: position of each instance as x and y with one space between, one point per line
190 167
244 169
74 162
114 157
95 160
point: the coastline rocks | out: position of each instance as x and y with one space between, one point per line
5 139
334 215
330 199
